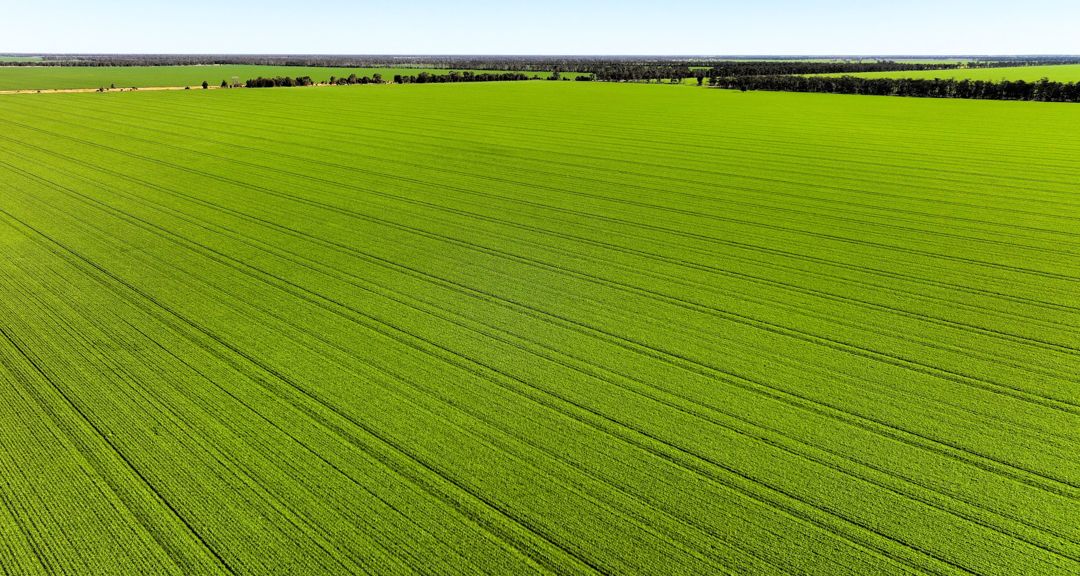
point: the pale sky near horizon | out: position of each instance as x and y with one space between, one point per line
719 27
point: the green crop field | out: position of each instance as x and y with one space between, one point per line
61 77
1057 73
538 327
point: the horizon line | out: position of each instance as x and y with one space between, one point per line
540 54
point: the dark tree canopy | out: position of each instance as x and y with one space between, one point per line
466 76
1044 90
261 82
421 78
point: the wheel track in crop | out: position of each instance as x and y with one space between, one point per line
477 175
714 421
623 185
105 438
712 239
863 526
858 350
479 161
808 258
231 468
75 258
703 267
295 385
294 438
827 526
590 327
545 134
219 208
963 449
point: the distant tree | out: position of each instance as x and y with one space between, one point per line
205 84
113 86
555 75
224 84
376 78
398 79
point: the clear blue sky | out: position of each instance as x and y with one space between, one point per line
542 27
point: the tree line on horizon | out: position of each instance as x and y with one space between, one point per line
538 63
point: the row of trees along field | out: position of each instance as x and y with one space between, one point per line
638 73
354 79
467 76
421 78
277 81
1043 90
